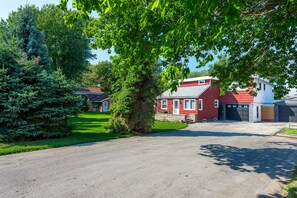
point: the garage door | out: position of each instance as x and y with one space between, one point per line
286 113
237 112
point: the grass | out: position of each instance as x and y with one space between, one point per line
289 131
90 127
291 188
168 126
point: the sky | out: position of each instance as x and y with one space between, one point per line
8 6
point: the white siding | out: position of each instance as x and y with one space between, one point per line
264 97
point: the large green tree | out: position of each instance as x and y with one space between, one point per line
29 38
136 87
100 75
257 36
34 101
193 74
68 47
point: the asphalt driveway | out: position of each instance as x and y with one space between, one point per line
231 159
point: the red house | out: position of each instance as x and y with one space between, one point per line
198 99
195 98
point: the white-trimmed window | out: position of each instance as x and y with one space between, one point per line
189 104
216 103
260 86
200 104
201 82
164 104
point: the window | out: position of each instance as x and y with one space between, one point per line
260 86
201 104
257 111
96 106
189 104
264 86
201 82
164 104
216 103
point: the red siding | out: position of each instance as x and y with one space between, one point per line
181 107
209 111
169 106
193 83
211 94
241 97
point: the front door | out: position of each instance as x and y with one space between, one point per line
175 106
105 106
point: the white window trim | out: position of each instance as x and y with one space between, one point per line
201 104
260 86
201 82
162 103
216 106
189 104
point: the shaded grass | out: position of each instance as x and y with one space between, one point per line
291 188
289 131
90 127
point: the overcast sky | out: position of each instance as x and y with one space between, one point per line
8 6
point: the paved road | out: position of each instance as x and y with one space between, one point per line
231 159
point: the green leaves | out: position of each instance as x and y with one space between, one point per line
256 37
155 4
71 59
34 101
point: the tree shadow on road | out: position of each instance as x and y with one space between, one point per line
274 162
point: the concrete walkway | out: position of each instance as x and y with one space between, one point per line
222 159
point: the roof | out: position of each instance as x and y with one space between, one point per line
97 98
89 90
199 78
185 92
288 102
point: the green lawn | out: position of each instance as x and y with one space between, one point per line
291 188
89 128
289 131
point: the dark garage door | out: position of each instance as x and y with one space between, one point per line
285 112
237 112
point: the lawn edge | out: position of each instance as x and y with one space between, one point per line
285 135
85 143
287 188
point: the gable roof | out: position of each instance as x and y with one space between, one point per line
97 97
89 90
185 92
